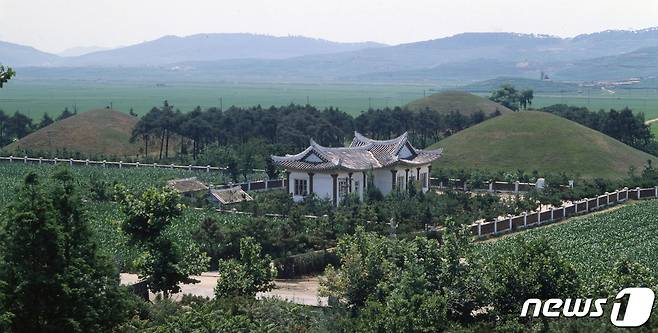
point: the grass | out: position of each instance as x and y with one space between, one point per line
465 103
35 98
593 243
531 140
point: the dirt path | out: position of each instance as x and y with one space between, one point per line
300 291
651 121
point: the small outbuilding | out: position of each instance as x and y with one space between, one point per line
187 186
229 196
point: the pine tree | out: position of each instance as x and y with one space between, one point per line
34 263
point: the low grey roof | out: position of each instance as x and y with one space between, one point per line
187 185
362 154
231 195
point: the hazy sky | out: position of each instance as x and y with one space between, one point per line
54 25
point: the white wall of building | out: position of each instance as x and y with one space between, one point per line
382 179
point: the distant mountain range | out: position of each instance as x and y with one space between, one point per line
467 57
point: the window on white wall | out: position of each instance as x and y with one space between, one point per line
423 179
400 183
301 187
343 187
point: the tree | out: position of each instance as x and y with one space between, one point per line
52 267
65 114
251 274
362 258
86 270
526 97
45 121
34 260
511 98
164 263
529 269
6 73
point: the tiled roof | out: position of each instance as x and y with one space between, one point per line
362 154
231 195
187 185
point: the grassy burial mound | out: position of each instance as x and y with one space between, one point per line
463 102
531 140
102 131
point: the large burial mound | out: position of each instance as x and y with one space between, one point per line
531 140
102 131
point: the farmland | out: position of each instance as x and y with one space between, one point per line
595 242
36 98
104 216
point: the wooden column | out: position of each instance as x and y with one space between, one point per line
334 189
429 174
406 179
288 180
310 182
418 176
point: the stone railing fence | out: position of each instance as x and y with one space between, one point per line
579 207
495 186
111 164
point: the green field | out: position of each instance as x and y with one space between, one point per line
36 98
593 243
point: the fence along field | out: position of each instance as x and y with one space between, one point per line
553 214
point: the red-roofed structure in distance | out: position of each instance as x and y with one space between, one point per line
335 172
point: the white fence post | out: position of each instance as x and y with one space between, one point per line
70 162
638 193
525 219
495 222
189 167
480 229
120 164
539 216
510 223
25 159
552 213
516 186
656 194
491 186
11 159
40 160
104 161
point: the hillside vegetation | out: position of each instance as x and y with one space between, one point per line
539 141
463 102
102 131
